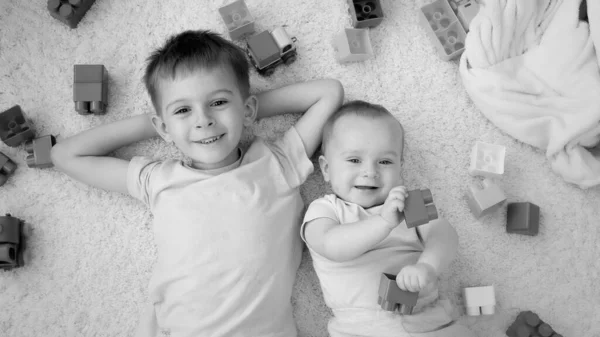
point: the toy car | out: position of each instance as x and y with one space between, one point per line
12 242
267 50
7 167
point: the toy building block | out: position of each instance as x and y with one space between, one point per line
419 208
7 167
14 128
70 12
38 151
523 218
529 324
352 45
487 160
479 300
365 14
391 297
90 88
466 12
12 242
238 19
267 50
484 198
443 29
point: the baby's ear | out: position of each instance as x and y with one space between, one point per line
324 167
161 128
250 110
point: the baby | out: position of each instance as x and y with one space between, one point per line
358 232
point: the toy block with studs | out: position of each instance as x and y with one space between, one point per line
529 324
12 242
238 19
365 14
479 300
487 160
484 197
392 298
7 168
523 218
38 151
14 127
419 208
443 29
267 50
352 45
90 89
69 12
466 12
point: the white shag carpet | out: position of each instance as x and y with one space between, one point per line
90 253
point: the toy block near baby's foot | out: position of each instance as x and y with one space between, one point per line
14 128
352 45
443 29
529 324
12 242
466 12
391 297
487 160
419 208
39 151
523 218
70 12
365 14
7 168
484 198
238 19
479 300
90 89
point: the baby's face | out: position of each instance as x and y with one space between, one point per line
203 113
363 159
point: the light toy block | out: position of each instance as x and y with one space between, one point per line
479 300
238 19
484 198
352 45
419 208
487 160
443 29
466 12
392 298
365 14
523 218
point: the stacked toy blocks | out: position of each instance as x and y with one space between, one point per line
38 151
238 19
487 160
365 14
90 89
352 45
523 218
12 242
70 12
485 197
7 168
529 324
392 298
419 208
267 50
443 29
14 128
479 300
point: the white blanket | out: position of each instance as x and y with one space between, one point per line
530 66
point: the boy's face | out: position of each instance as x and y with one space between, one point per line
204 113
363 159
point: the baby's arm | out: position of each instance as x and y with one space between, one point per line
317 99
85 155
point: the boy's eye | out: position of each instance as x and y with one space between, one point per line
218 102
386 162
354 161
181 110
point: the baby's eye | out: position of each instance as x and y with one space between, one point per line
181 110
386 162
354 161
218 102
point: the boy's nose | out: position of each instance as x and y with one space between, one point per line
204 120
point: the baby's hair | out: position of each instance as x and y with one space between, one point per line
358 108
194 50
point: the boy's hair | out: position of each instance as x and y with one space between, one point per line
359 108
193 50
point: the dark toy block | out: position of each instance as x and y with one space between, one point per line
529 324
12 242
267 50
90 89
39 151
419 208
391 297
238 19
14 128
7 168
523 218
365 14
69 12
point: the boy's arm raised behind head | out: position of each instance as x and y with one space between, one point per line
84 156
317 99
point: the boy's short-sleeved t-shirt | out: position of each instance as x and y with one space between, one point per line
227 242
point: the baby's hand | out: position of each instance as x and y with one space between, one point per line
415 277
394 205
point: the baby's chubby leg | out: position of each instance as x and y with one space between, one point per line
435 320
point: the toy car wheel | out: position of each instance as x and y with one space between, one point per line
290 59
267 72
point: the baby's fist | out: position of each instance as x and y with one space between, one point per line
394 206
415 277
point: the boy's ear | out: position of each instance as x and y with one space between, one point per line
324 167
251 110
161 128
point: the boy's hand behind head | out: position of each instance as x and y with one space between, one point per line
394 206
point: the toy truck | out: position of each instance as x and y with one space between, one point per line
12 242
267 50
